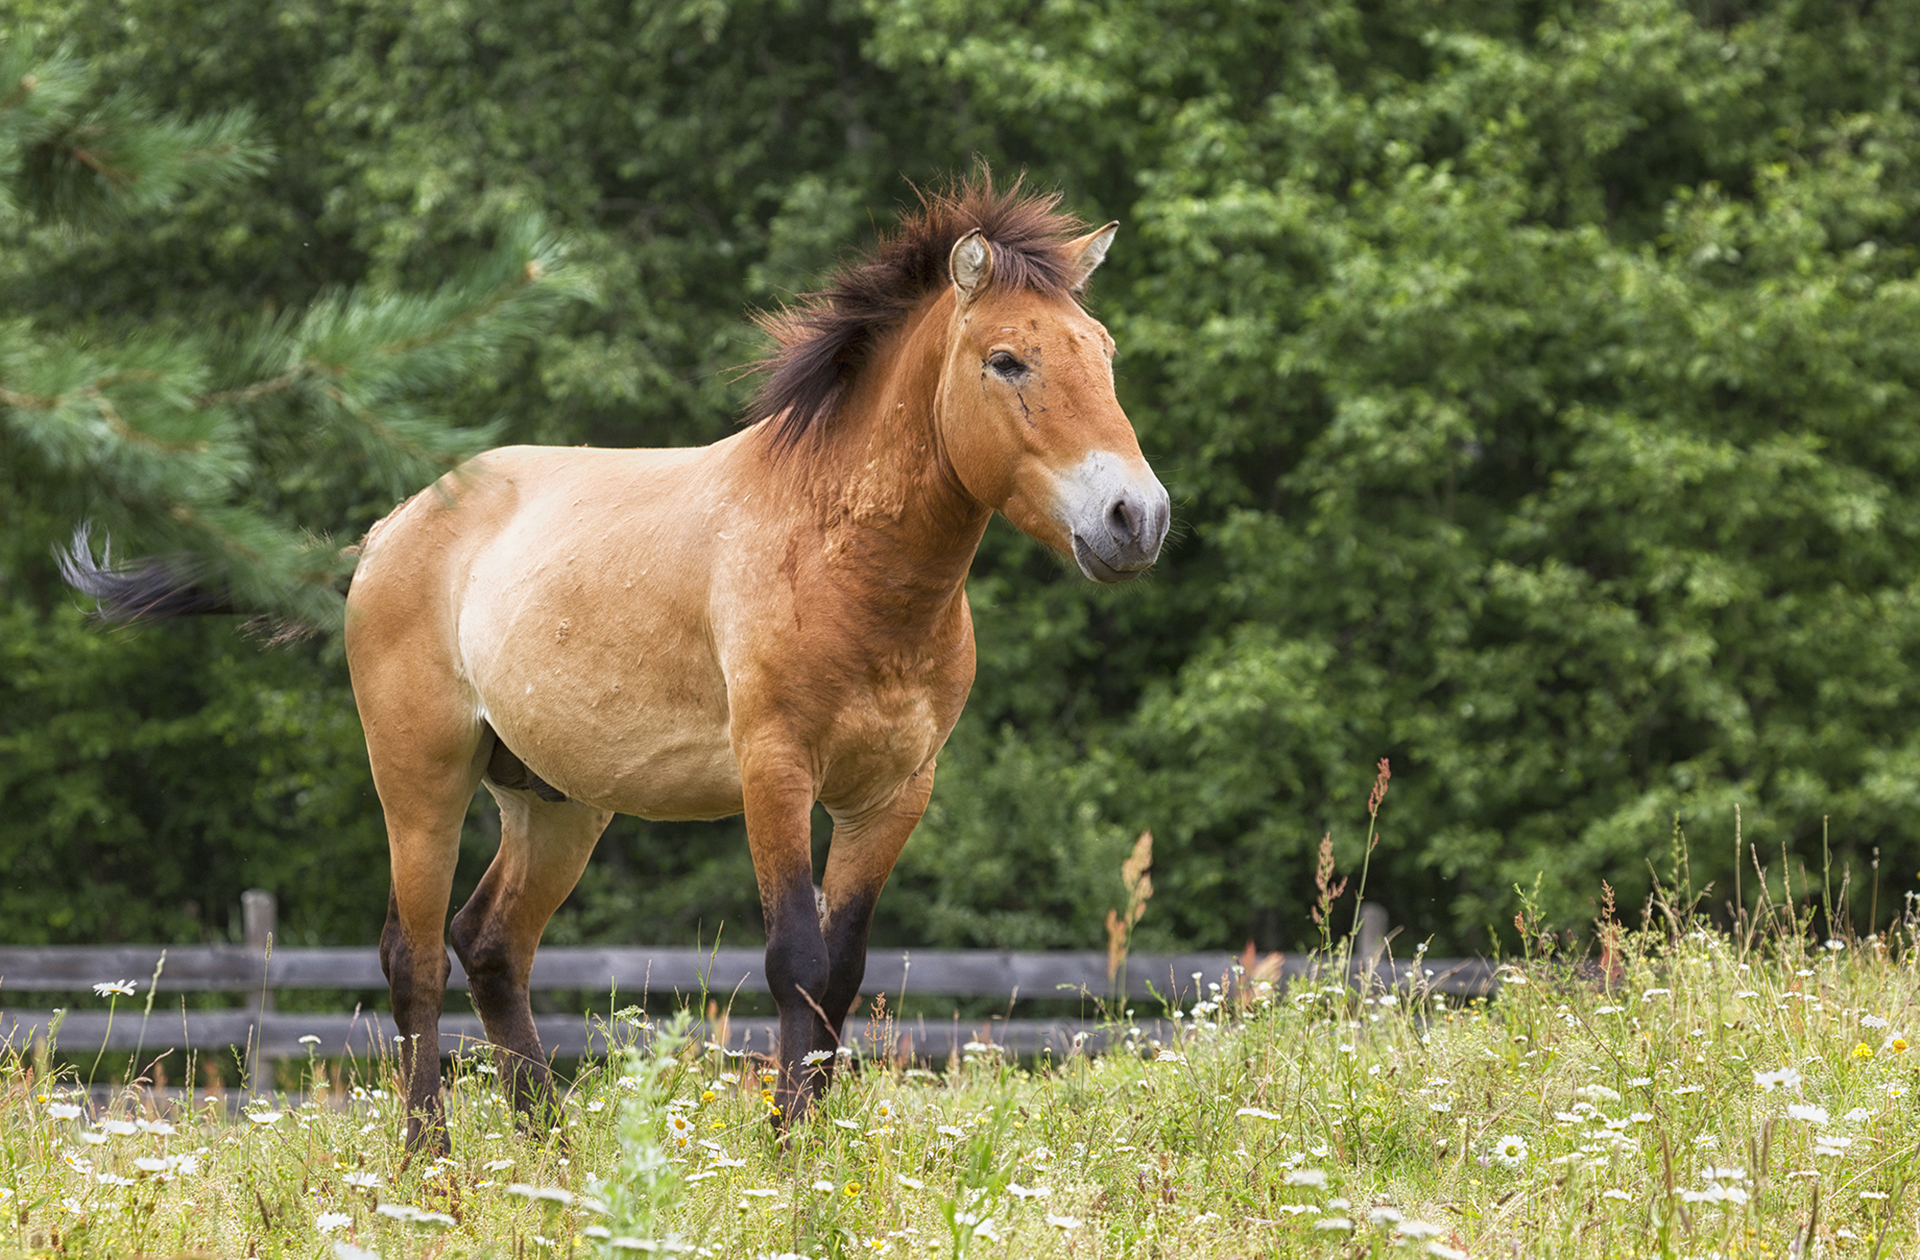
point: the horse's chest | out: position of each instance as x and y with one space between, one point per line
887 729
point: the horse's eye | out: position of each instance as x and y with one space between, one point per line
1005 364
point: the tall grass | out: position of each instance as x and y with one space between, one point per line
1691 1092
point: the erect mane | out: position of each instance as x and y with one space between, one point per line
825 340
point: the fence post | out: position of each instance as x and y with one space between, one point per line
259 915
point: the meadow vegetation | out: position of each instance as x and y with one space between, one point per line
1683 1091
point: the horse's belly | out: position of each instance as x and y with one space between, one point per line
627 752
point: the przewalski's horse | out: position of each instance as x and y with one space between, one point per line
777 619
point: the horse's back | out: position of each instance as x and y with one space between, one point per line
562 593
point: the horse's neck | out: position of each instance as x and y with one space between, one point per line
892 511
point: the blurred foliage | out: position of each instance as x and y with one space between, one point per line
1535 383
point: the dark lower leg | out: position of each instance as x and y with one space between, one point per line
497 981
417 980
797 971
846 934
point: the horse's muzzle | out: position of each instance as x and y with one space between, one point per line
1121 523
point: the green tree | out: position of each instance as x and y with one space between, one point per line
141 772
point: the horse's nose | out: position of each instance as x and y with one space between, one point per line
1136 519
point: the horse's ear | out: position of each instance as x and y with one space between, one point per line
1089 252
971 264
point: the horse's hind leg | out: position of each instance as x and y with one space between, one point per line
544 845
425 798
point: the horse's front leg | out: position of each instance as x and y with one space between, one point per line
865 847
779 804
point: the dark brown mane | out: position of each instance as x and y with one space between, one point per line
825 340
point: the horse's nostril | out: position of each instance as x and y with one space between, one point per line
1123 519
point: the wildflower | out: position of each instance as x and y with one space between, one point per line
309 1039
1333 1224
1859 1115
1169 1056
347 1251
1651 994
1417 1230
1898 1045
413 1215
707 1096
93 1137
109 1179
1873 1194
1510 1151
952 1131
1808 1112
1256 1113
816 1056
265 1117
847 1124
146 1164
1440 1251
1019 1191
1621 1195
678 1125
1863 1051
119 1128
1872 1021
327 1222
497 1165
824 1187
123 988
1769 1081
1064 1222
361 1180
1597 1093
851 1189
159 1128
1715 1193
1310 1177
1440 1107
63 1111
910 1183
1384 1216
552 1194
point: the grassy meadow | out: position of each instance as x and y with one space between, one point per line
1685 1093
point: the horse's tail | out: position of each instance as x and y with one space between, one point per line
147 589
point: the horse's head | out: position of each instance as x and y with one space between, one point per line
1030 422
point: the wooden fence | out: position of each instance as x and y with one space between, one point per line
620 977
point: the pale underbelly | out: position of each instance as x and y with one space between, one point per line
660 760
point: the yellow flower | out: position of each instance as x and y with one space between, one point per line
851 1189
708 1096
1863 1051
1898 1045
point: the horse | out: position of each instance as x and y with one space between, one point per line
754 626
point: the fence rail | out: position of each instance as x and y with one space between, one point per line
618 977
